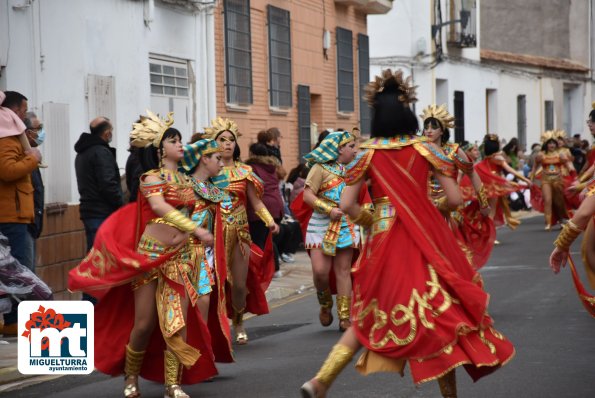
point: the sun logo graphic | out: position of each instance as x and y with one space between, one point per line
56 337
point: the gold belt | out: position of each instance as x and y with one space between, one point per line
238 217
384 215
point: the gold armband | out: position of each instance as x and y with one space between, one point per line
365 218
265 216
179 220
482 196
322 206
442 205
568 234
580 187
585 177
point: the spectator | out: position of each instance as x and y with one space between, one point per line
265 165
535 149
580 156
36 135
274 143
97 177
16 190
511 151
297 179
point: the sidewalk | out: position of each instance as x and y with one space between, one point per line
296 279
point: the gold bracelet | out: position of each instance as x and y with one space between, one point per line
179 220
585 177
482 196
365 218
442 205
265 216
568 234
322 206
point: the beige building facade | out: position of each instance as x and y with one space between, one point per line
299 66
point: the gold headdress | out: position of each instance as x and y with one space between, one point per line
380 82
559 134
150 129
547 135
593 105
491 137
439 113
219 125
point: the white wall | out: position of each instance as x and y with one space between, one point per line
75 39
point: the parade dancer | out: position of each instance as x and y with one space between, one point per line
247 275
202 159
330 236
472 151
497 187
583 220
470 223
415 300
548 168
142 275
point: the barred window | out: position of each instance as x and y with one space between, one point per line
549 115
363 54
459 116
344 70
168 78
279 57
238 52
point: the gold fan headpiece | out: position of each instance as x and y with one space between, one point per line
407 95
491 137
149 130
547 135
559 134
220 125
439 113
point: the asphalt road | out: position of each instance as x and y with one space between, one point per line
539 312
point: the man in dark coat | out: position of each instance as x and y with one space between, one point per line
97 176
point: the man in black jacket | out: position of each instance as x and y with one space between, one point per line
97 176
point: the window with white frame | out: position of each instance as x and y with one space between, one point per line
169 78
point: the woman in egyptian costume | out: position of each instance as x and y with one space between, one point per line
549 169
250 270
141 264
415 300
330 237
470 223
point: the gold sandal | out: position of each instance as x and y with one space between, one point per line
131 390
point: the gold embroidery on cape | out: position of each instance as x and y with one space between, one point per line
418 303
104 262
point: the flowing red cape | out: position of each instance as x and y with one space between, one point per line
477 233
587 299
261 268
421 235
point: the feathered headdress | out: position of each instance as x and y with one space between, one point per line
194 151
547 135
150 129
387 77
439 113
220 125
559 134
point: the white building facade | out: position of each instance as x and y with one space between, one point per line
76 60
503 90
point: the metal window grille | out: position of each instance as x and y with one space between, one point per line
549 115
168 78
344 70
238 52
303 98
363 53
521 106
279 57
459 116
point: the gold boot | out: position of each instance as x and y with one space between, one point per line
448 385
173 375
548 221
132 366
343 312
238 326
325 299
335 362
